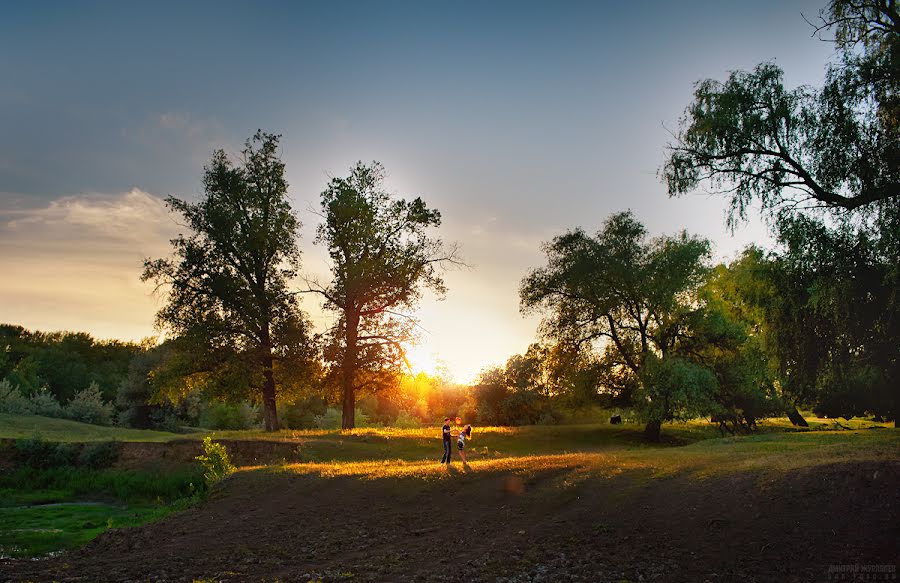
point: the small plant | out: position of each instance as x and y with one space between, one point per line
215 461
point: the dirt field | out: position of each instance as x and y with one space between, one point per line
558 523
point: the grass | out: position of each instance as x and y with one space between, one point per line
52 429
541 437
48 510
93 501
42 530
763 453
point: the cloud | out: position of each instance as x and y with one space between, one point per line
76 262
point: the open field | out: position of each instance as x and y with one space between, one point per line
563 503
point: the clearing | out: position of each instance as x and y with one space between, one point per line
577 503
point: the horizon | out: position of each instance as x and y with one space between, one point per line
516 121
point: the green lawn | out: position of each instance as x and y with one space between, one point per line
52 429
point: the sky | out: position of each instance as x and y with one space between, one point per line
517 120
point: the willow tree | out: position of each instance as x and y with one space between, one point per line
226 291
634 298
835 148
383 257
823 164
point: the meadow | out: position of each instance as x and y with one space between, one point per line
47 510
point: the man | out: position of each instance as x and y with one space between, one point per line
447 441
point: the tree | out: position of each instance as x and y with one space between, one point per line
824 164
836 148
382 258
227 297
631 296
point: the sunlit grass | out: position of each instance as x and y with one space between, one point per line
768 452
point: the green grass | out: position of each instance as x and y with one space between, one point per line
419 440
49 510
52 429
41 530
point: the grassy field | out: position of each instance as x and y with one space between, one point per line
51 429
44 511
64 430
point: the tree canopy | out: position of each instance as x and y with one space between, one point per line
382 257
226 288
631 296
836 147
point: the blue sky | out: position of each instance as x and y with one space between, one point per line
517 120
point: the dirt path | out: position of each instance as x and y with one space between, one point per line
553 525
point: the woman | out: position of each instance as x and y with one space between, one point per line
464 433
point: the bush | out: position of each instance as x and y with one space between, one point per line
301 414
88 406
43 402
99 455
406 420
215 461
37 453
129 486
13 401
220 415
332 419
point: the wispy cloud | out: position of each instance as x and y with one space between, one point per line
75 263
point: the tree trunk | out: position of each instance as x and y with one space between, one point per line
652 430
270 412
348 370
795 417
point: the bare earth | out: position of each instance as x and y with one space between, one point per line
547 525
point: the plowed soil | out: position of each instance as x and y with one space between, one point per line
837 522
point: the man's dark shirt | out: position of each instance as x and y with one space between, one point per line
446 431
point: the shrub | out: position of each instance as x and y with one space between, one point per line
215 461
43 402
99 455
37 453
63 454
88 406
301 414
330 419
220 415
406 420
13 401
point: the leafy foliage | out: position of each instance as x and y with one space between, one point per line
88 406
227 287
215 461
631 297
221 415
837 147
13 401
382 258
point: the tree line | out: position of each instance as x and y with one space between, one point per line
630 319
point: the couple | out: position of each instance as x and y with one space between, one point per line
462 435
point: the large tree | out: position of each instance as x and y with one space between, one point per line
382 257
631 296
226 288
824 165
836 147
